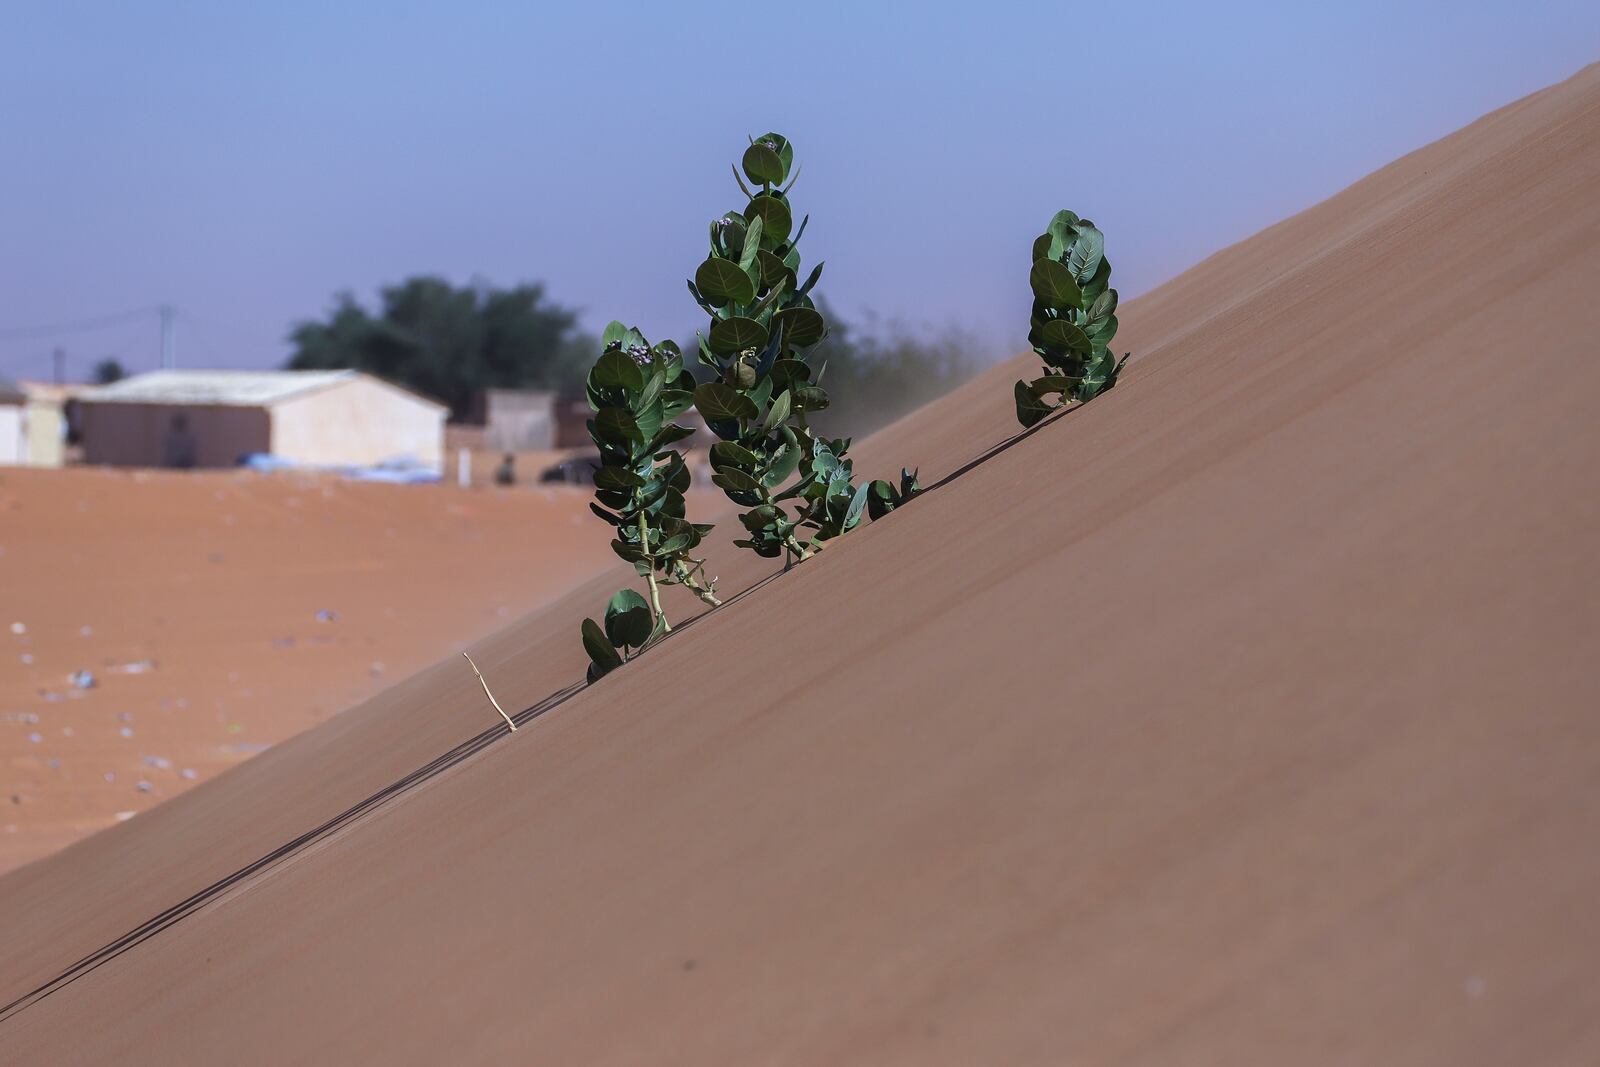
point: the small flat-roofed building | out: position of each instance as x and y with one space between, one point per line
213 418
13 424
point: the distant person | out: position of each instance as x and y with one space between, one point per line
506 473
179 449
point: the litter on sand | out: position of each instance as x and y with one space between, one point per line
81 679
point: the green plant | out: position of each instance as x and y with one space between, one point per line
636 391
763 321
1074 318
882 497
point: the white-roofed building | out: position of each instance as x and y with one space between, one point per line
213 418
13 424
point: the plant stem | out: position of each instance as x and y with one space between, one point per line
685 576
657 616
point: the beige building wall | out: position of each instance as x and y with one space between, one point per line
361 421
47 433
13 440
135 435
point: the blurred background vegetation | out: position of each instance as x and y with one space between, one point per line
451 341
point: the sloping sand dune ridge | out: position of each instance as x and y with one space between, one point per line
1245 715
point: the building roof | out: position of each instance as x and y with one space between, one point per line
229 388
51 392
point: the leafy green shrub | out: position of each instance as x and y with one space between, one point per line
763 321
1074 318
636 392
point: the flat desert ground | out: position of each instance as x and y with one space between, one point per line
1245 715
218 613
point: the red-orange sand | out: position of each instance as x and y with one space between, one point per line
220 613
1246 715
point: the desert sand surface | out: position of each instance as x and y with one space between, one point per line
1245 715
218 613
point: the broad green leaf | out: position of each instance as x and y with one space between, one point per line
617 426
615 331
616 478
678 542
776 220
628 619
735 480
1065 336
1063 224
1086 253
1103 305
737 334
1103 331
670 434
770 269
858 504
802 326
1030 409
762 164
721 282
601 653
675 402
785 149
809 397
617 370
725 454
752 245
1052 383
723 403
1098 284
649 421
782 465
1053 284
1062 233
788 371
654 380
761 393
776 414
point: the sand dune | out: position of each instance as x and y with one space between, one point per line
1242 716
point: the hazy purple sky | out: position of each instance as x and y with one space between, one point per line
245 165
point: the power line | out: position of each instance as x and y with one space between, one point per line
18 333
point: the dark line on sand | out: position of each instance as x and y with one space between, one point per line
183 909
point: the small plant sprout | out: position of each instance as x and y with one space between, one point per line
763 321
1074 318
883 497
636 391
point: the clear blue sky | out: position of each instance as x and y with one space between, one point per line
246 162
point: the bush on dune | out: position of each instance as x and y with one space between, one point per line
763 398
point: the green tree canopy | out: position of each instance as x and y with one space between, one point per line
450 342
108 371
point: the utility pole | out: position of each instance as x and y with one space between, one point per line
60 360
169 338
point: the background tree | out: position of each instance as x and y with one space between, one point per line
108 371
450 342
876 374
